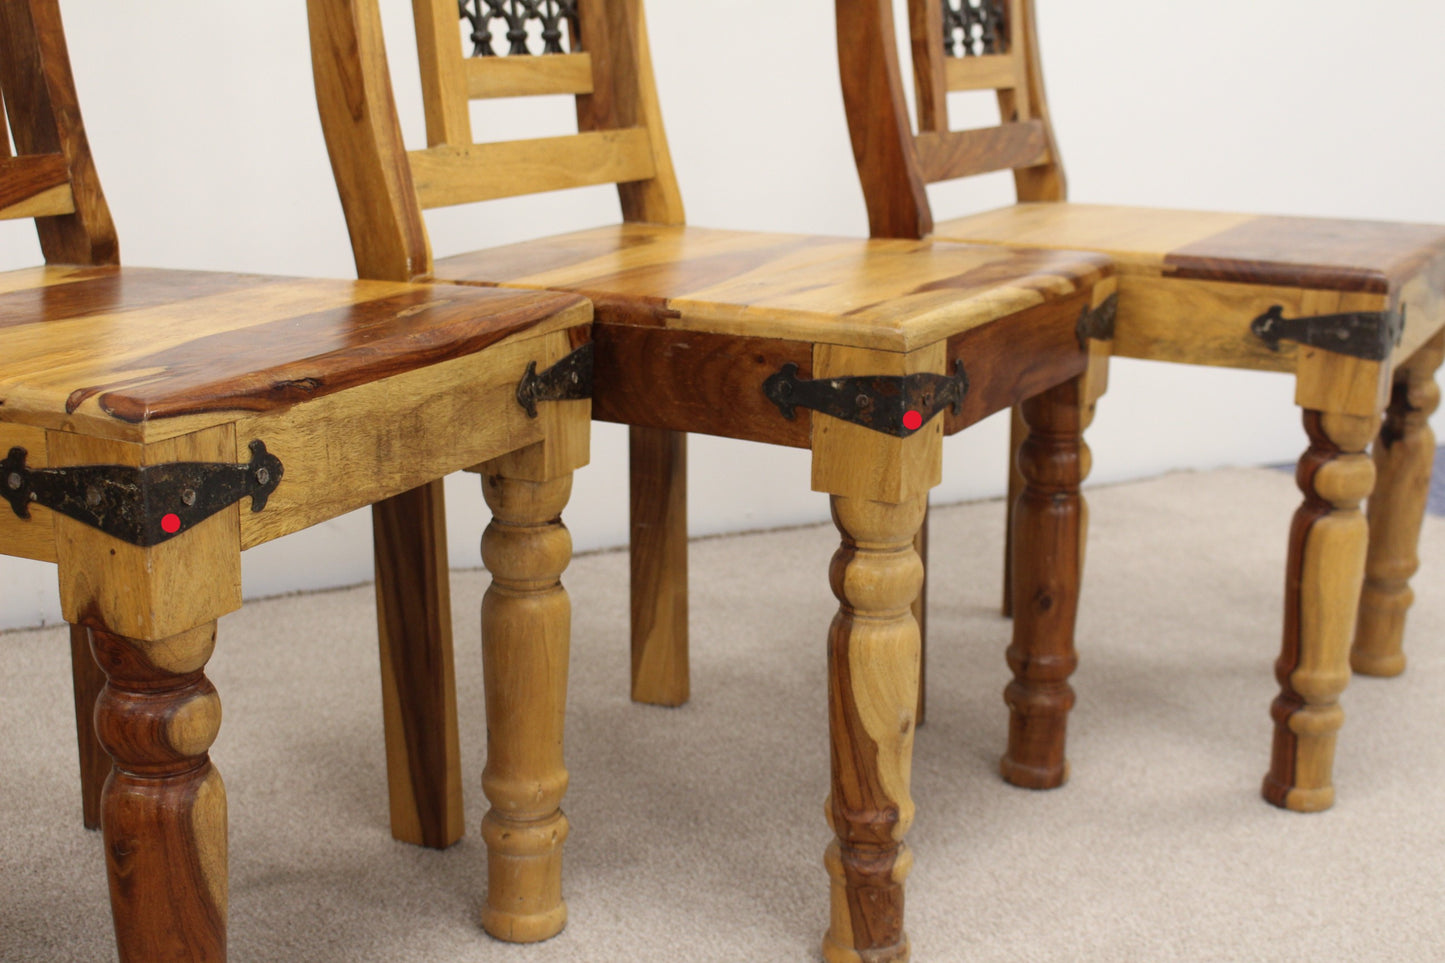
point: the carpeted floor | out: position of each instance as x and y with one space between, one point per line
697 833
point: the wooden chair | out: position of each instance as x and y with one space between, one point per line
864 352
140 408
1353 309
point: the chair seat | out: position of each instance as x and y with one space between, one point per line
1238 265
883 294
138 354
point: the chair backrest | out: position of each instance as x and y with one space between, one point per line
49 175
594 50
957 45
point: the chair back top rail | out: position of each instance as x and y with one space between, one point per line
956 46
594 50
50 175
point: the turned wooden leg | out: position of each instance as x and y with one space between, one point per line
1325 569
163 811
1017 432
418 679
88 680
525 631
1404 453
1049 524
659 566
873 659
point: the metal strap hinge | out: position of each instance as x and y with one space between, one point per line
896 405
141 506
1370 335
567 380
1098 323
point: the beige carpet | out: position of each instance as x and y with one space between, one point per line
697 833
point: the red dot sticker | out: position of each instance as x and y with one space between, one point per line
171 523
912 420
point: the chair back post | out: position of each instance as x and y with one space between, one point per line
52 176
956 45
1045 182
363 137
883 141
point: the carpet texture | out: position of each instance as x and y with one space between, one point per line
697 833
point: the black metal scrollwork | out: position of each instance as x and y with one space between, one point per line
516 15
972 28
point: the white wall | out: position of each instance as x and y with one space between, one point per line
203 123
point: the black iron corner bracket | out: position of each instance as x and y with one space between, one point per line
567 380
142 506
1370 335
896 405
1098 323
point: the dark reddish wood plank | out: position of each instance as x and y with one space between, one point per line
1016 358
283 362
88 680
710 384
1334 255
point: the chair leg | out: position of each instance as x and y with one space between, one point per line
163 812
920 615
526 619
1049 519
1404 453
1017 432
659 566
872 692
88 680
1322 591
418 679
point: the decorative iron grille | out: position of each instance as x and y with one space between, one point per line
516 15
975 27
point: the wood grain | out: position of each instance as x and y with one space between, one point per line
418 674
87 679
525 635
1325 568
884 294
873 660
948 155
37 185
183 349
1048 537
163 813
690 381
1404 453
657 548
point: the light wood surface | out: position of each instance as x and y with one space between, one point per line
886 295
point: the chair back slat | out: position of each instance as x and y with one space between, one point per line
950 154
529 76
50 176
482 172
957 46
